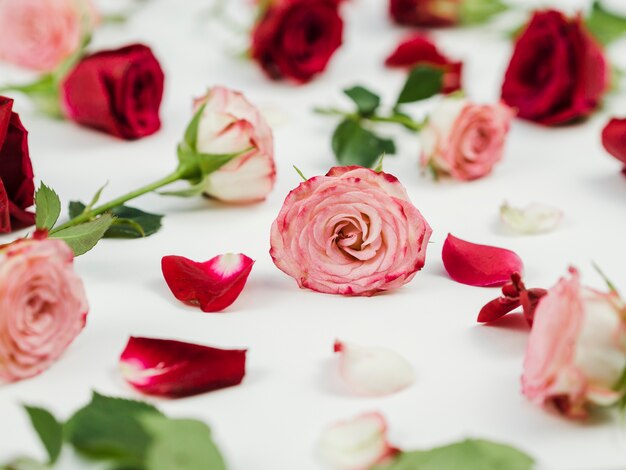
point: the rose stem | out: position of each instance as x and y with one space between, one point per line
394 118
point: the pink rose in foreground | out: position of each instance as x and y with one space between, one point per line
576 352
40 34
43 306
351 232
465 140
230 124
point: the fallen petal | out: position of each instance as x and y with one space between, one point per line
175 369
358 444
530 299
479 265
497 308
534 218
373 371
213 285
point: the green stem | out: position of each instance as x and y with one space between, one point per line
91 213
405 121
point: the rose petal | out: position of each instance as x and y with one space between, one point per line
373 371
614 138
479 265
175 369
497 308
357 444
213 285
534 218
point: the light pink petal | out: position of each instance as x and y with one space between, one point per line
175 369
479 265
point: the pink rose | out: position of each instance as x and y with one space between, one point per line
351 232
230 124
465 140
41 34
577 348
42 306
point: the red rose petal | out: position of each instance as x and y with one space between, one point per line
497 308
175 369
614 138
479 265
213 285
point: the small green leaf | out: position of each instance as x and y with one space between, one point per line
192 191
605 278
126 216
355 145
48 207
366 101
191 133
379 166
480 11
198 165
304 178
24 464
96 197
181 444
82 238
422 83
76 208
50 431
606 26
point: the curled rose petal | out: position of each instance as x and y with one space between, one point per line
614 139
357 444
373 371
213 285
175 369
479 265
534 218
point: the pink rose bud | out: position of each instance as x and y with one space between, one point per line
357 444
351 232
576 353
43 306
465 140
41 34
230 124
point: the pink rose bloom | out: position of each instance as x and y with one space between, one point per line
41 34
351 232
42 306
465 140
230 124
577 348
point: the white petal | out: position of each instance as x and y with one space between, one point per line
534 218
373 371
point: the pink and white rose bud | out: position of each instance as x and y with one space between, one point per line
231 124
43 306
371 371
357 444
353 231
465 140
41 34
576 352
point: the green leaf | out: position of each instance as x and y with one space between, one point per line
181 444
76 208
48 207
110 428
192 191
24 464
604 25
366 101
82 238
96 197
198 165
423 82
471 454
131 222
191 133
480 11
355 145
50 431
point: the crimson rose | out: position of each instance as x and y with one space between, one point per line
425 12
558 72
17 189
296 38
116 91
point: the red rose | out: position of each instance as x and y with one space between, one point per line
426 12
117 91
297 38
558 72
614 139
17 189
419 50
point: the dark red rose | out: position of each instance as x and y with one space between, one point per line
297 38
425 12
558 72
419 50
17 189
614 139
117 91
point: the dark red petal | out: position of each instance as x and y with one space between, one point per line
5 218
175 369
530 299
497 308
213 285
479 265
614 138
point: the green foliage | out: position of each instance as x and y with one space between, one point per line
129 222
422 83
355 145
50 431
48 207
82 238
606 27
367 102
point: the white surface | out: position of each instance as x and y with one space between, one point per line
467 375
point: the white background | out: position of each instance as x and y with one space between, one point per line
467 375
